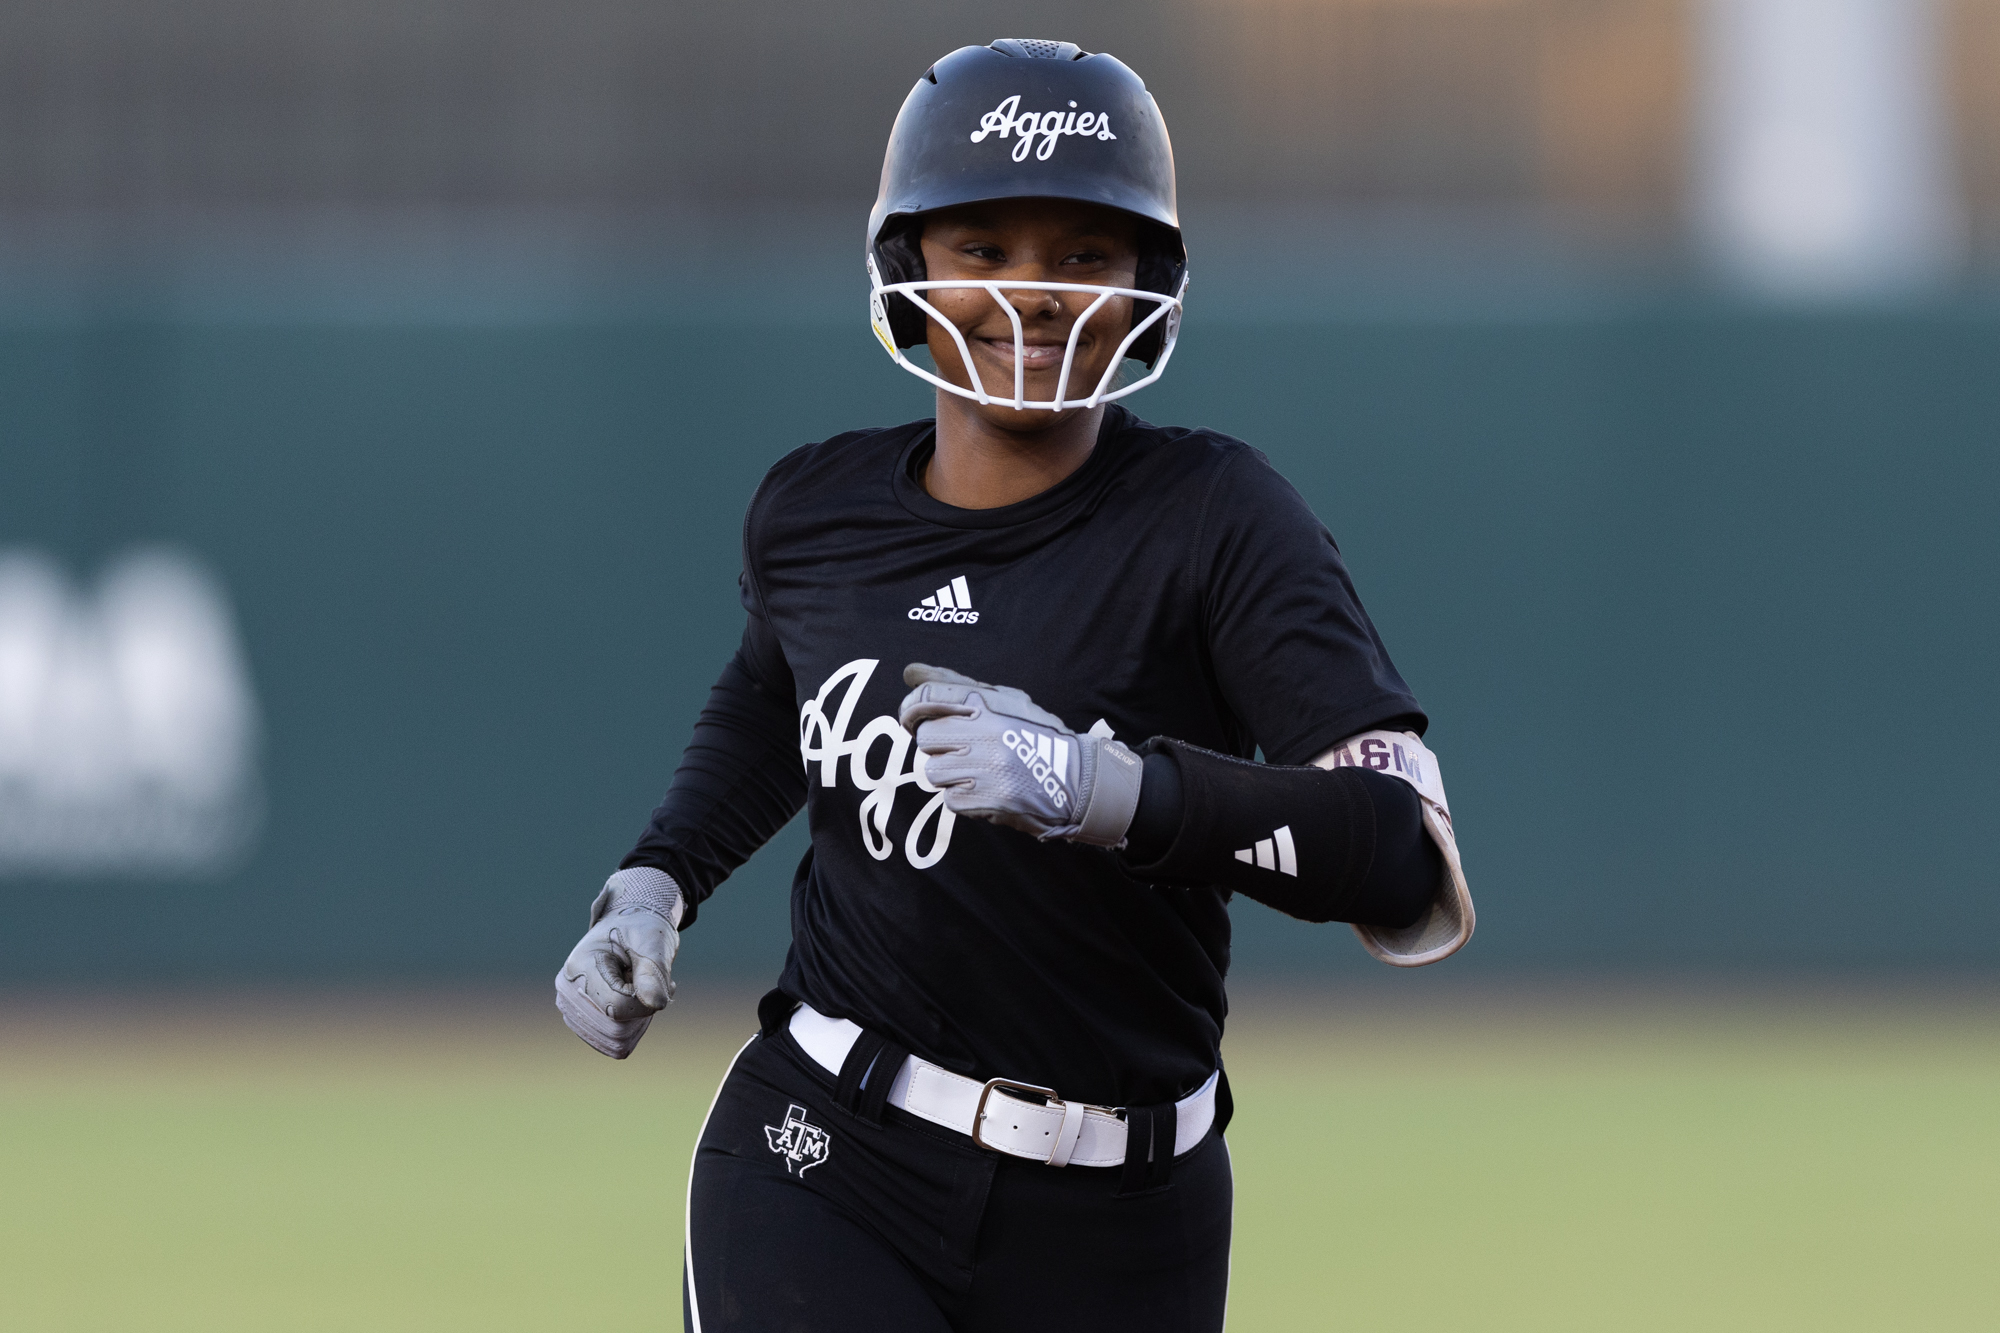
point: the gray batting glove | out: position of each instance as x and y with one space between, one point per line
621 972
996 755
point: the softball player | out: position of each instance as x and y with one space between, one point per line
1015 663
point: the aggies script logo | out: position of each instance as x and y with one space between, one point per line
880 759
1008 119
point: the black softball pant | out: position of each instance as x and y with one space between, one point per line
804 1217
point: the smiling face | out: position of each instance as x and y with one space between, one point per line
1029 240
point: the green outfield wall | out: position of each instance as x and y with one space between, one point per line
1702 604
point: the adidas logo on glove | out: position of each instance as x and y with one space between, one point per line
1273 853
1047 757
951 604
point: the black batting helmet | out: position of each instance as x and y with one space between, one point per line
1026 118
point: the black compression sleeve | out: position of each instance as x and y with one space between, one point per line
1338 844
1158 817
739 780
1408 867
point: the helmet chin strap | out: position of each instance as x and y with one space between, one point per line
1166 312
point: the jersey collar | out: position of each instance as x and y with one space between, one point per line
919 502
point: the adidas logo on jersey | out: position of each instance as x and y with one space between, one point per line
1047 757
951 604
1273 853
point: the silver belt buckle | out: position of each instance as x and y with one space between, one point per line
979 1112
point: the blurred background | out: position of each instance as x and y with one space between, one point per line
381 385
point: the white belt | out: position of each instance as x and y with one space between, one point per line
1060 1133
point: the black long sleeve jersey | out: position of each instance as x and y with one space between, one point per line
1173 585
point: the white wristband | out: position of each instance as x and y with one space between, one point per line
1448 922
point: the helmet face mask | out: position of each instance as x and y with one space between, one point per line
1019 120
1065 395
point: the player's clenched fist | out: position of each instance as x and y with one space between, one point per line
997 755
622 971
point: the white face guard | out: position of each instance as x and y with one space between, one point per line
1165 307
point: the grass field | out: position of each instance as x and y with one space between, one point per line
1490 1160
